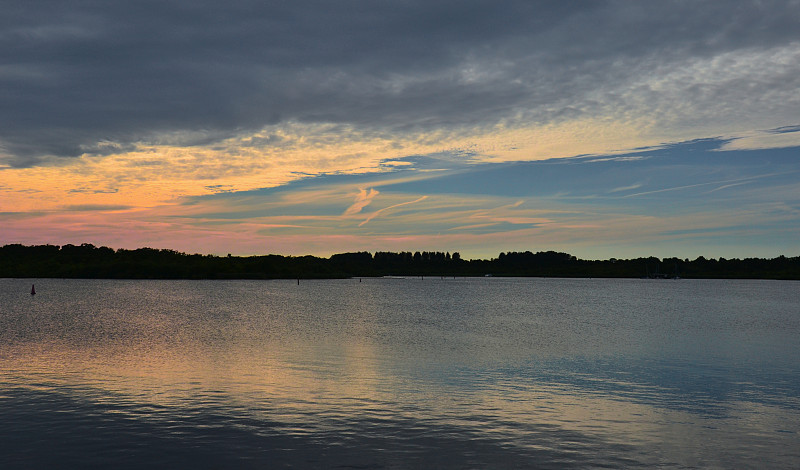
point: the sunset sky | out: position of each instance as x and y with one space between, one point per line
599 128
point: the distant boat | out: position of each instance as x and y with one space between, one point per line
33 289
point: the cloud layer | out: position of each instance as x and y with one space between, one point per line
686 200
102 78
602 128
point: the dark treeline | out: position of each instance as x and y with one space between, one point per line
89 261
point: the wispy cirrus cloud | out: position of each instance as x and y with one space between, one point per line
364 197
385 209
720 185
630 187
784 136
96 207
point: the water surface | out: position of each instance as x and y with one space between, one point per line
394 373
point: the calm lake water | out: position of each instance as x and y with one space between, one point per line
400 373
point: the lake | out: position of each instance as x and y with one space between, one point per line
400 373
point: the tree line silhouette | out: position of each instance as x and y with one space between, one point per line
89 261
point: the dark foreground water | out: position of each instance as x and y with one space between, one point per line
400 373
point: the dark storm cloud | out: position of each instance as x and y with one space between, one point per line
97 76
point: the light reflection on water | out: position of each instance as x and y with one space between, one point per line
454 373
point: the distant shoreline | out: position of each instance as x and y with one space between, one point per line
312 278
87 261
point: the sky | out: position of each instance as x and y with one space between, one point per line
598 128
